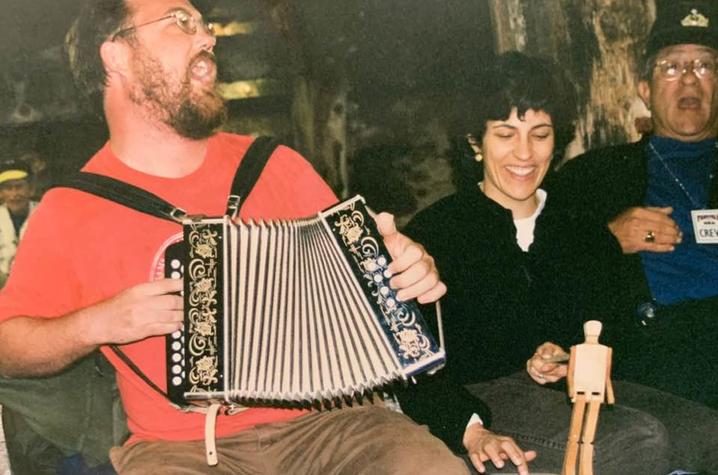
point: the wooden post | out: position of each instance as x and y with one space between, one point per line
509 23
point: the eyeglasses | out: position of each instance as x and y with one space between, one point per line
670 70
183 19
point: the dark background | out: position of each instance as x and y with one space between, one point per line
404 62
384 47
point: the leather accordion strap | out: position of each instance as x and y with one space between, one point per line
130 364
249 171
124 194
246 176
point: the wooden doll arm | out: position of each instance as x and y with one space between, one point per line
569 373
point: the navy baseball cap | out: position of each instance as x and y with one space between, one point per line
684 22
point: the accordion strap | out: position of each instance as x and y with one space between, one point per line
125 194
133 197
130 364
248 172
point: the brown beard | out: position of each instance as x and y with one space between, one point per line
192 112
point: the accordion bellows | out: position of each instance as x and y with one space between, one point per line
291 312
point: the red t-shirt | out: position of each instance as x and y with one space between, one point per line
80 249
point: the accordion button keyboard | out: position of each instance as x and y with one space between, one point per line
175 342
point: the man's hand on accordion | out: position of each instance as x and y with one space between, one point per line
136 313
145 310
415 273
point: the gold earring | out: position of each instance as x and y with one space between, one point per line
478 156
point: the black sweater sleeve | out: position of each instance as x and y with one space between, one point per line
443 405
438 401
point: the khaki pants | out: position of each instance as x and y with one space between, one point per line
358 440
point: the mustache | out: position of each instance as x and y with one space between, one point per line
206 55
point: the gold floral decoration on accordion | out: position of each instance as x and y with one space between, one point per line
202 276
369 255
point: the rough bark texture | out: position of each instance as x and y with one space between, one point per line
599 43
509 23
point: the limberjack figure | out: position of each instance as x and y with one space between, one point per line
589 384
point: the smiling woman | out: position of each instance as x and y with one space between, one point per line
514 89
513 271
518 152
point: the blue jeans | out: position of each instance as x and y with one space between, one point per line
692 427
628 441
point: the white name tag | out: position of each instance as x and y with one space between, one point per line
705 225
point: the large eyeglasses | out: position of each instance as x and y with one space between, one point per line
670 70
183 19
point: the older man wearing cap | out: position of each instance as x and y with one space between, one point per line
15 192
659 197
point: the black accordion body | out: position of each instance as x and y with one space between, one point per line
291 312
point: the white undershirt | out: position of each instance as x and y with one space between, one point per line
525 226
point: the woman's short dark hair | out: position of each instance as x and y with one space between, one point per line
97 21
513 80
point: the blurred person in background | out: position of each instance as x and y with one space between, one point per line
40 173
15 193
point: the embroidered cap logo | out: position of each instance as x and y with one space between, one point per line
695 19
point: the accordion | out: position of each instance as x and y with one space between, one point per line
291 312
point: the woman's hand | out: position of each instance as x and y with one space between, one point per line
483 445
548 364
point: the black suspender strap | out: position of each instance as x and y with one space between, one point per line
124 194
130 364
246 176
248 172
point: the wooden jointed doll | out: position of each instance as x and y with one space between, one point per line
589 384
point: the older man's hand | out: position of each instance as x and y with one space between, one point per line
415 274
646 229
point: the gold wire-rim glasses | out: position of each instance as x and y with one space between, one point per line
671 70
183 19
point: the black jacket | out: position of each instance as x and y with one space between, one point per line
675 351
501 302
598 186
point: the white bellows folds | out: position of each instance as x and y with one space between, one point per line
291 311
